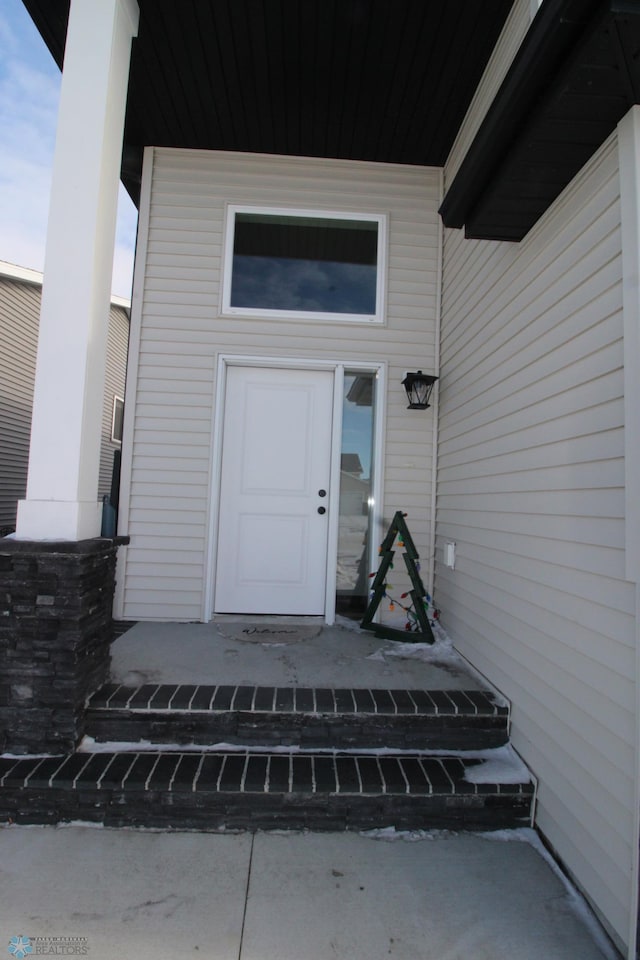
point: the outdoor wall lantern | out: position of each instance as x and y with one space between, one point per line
418 386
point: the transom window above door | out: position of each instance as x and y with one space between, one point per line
304 264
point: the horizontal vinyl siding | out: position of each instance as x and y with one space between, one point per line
115 372
19 313
531 489
19 322
181 333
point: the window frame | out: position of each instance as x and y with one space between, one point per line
117 400
227 309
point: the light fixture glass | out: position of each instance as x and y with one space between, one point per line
419 387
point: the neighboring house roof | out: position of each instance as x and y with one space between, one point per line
14 272
350 463
374 80
361 392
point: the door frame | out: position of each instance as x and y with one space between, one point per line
338 368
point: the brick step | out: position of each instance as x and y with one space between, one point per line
251 790
298 716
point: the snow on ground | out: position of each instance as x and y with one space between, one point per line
442 650
499 765
391 835
439 652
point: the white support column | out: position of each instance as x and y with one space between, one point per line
62 486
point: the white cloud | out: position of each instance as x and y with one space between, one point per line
28 107
29 95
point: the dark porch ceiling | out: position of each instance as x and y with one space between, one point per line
383 80
386 80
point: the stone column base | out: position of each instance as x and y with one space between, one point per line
56 602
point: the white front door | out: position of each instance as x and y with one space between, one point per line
273 518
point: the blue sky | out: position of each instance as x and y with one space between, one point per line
29 93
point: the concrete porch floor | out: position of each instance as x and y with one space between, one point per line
284 652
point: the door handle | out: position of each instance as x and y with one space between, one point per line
322 510
322 493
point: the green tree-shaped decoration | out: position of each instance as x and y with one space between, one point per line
419 596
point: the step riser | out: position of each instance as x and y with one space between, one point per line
247 790
301 730
203 811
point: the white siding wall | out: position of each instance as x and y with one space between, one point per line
179 333
531 489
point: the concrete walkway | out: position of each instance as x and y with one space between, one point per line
161 896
